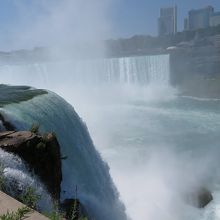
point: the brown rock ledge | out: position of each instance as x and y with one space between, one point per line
40 152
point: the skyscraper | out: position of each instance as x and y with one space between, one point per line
167 22
200 18
214 19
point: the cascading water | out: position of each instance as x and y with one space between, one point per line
130 71
17 179
125 71
159 146
83 167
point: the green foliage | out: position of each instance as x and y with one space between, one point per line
57 215
74 211
54 215
18 215
30 198
35 128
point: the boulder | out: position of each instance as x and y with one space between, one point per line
40 152
199 198
204 197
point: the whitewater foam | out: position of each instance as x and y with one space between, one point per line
18 178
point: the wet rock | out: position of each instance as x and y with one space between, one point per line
40 152
204 197
199 198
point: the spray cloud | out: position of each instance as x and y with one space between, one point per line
57 23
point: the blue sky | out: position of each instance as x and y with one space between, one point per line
140 16
27 23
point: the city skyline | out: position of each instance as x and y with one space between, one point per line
167 21
27 23
146 20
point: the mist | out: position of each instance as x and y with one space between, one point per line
156 143
60 25
156 177
160 143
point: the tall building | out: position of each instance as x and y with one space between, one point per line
200 18
167 22
214 19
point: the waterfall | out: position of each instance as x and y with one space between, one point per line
80 82
17 178
83 167
142 70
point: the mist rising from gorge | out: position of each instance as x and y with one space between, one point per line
66 27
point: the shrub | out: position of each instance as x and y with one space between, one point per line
35 128
30 198
18 215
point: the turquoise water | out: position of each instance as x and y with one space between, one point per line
159 146
83 166
159 151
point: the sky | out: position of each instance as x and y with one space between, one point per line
29 23
140 16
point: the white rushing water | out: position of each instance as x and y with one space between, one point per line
159 146
130 70
83 166
17 179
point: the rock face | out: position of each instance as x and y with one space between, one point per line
40 152
204 198
199 198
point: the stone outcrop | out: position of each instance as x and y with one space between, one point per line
204 197
199 198
40 152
